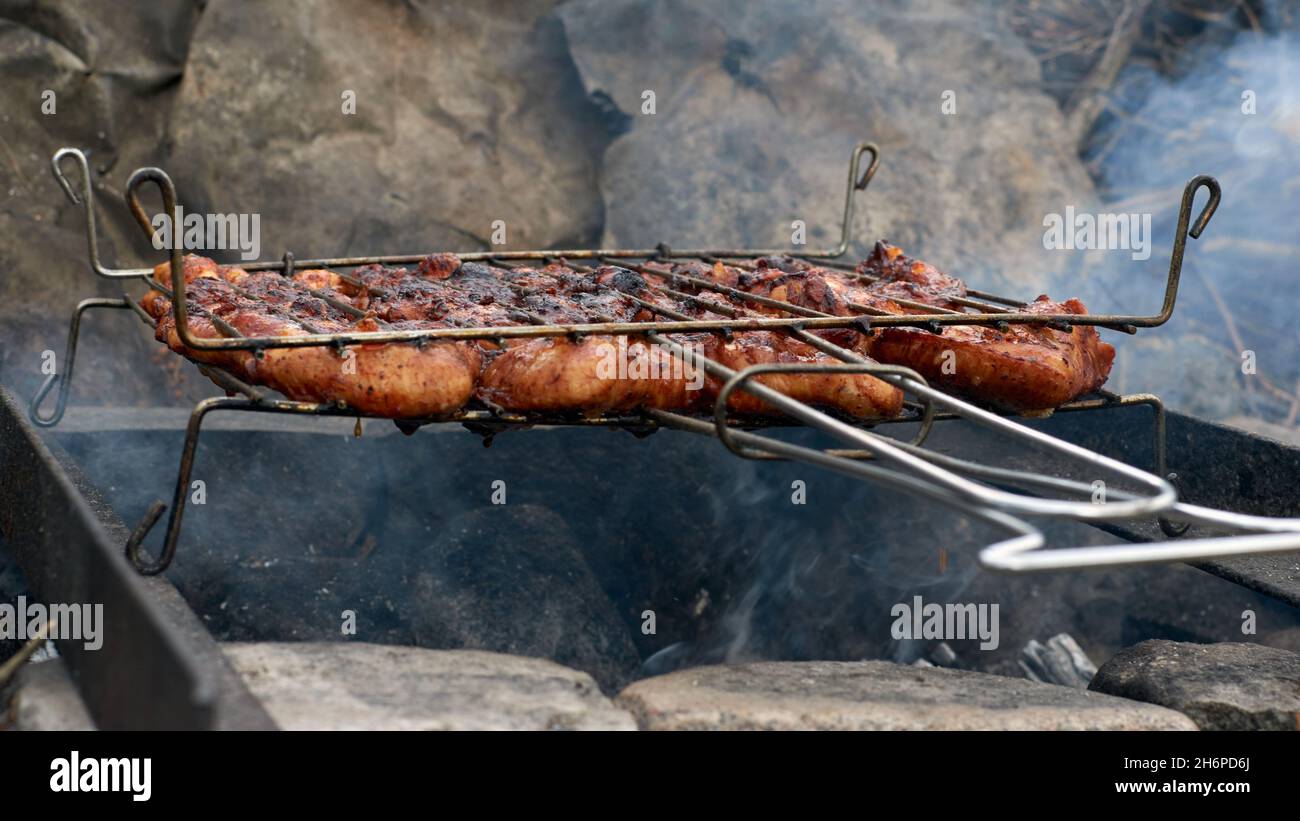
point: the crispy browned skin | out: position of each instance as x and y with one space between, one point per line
1027 368
597 373
395 380
858 395
593 375
557 374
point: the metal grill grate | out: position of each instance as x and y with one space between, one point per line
965 486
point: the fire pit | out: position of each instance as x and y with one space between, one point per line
399 551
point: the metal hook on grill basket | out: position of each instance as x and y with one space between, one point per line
857 182
175 244
134 551
64 377
87 201
1186 229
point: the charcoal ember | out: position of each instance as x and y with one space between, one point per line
756 113
464 114
511 579
1060 661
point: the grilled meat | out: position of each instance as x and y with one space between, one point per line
1026 368
400 381
594 374
859 395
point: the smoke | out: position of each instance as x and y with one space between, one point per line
1230 110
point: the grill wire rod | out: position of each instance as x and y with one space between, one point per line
964 486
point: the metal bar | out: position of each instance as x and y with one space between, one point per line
142 677
64 379
1023 553
857 181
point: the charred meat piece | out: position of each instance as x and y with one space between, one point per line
858 395
594 374
1026 368
395 380
898 276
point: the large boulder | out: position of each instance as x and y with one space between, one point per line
1227 686
464 114
757 107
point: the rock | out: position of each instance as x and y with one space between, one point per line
875 695
510 578
353 686
464 114
1227 686
113 72
42 696
756 114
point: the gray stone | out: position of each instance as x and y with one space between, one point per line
114 70
42 696
758 105
353 686
464 114
875 695
1227 686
